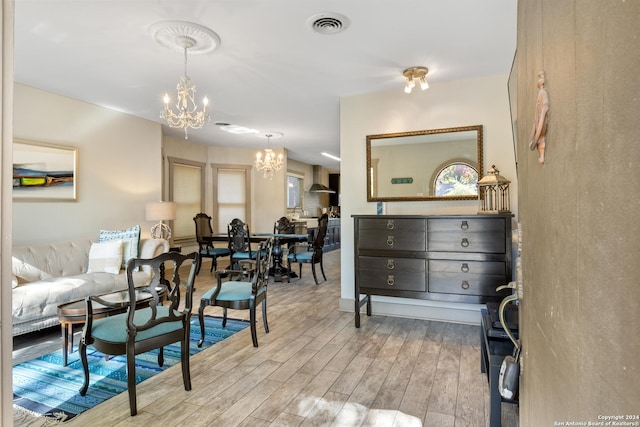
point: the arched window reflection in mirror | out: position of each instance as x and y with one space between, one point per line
455 179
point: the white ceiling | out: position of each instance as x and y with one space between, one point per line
271 71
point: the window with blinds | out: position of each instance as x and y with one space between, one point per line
232 195
186 185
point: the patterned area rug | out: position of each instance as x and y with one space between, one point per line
42 387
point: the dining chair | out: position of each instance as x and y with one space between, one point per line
153 327
206 248
239 242
311 253
284 226
245 289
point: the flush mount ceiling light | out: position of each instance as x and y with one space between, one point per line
269 162
328 22
415 73
236 129
189 38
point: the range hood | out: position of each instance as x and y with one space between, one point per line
317 186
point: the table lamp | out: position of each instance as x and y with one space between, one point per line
160 211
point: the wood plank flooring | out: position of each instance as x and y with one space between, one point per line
315 369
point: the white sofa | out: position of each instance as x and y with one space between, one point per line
47 275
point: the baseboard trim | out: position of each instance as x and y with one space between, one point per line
423 309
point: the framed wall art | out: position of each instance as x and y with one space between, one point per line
44 172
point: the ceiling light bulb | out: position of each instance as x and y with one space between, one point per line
423 83
407 88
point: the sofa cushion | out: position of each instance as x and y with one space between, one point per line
48 260
26 271
105 257
130 238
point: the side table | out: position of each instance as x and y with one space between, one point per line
495 345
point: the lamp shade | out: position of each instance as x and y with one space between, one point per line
160 211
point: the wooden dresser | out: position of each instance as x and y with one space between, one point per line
461 258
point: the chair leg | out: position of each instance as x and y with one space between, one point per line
224 317
213 264
161 357
313 270
198 269
252 322
264 314
82 349
322 269
184 350
131 379
201 320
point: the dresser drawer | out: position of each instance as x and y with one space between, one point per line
402 274
466 277
466 224
393 224
467 242
468 267
393 240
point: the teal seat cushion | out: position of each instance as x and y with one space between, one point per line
245 255
114 328
301 257
232 291
215 252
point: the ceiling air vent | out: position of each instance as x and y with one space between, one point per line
328 23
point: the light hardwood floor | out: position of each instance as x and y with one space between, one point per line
316 369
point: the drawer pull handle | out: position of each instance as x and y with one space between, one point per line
390 241
464 243
390 264
465 267
391 225
391 280
465 285
464 225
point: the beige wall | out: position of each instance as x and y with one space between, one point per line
479 101
580 316
119 167
268 197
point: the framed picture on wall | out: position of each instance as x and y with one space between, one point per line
44 172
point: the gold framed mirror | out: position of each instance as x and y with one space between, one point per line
424 165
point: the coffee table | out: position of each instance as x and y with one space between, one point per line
75 312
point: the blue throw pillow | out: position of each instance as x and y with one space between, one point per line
130 241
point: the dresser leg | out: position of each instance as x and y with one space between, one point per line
359 303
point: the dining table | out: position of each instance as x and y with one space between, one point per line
278 270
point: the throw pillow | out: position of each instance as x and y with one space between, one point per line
130 241
105 257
